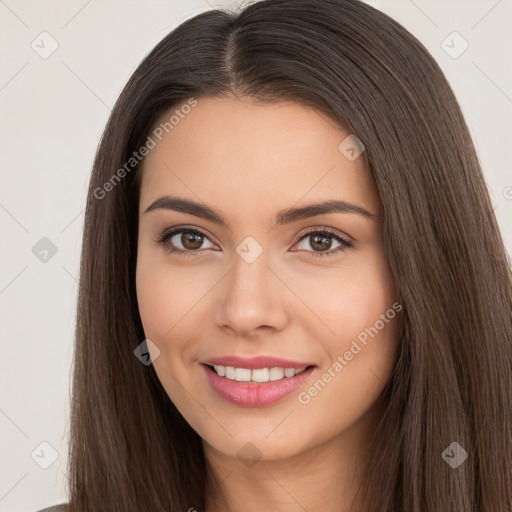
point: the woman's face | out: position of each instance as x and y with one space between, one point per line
255 274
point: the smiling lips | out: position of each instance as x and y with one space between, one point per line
257 381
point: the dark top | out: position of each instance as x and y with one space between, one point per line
63 507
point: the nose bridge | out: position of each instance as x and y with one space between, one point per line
250 295
249 275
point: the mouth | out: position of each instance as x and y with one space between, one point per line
256 387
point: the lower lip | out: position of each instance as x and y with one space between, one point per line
255 394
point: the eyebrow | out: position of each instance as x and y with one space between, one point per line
285 216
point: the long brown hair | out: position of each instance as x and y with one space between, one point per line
130 449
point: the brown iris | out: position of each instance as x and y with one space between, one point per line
320 242
192 241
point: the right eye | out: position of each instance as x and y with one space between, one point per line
184 241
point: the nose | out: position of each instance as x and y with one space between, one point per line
251 299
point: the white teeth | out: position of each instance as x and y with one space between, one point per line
276 373
230 372
242 374
260 375
257 375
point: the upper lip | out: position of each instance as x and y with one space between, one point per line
253 363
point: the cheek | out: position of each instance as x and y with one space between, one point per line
163 299
168 306
360 360
155 302
166 312
361 321
167 299
347 300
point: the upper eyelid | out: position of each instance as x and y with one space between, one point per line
168 232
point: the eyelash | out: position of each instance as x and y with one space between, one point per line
167 234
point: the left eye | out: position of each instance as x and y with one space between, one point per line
321 240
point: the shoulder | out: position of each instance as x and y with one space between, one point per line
63 507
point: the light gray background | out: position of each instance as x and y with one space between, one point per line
53 112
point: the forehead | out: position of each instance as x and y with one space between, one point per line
245 156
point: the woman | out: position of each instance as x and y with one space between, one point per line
220 364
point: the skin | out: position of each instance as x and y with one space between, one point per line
249 161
